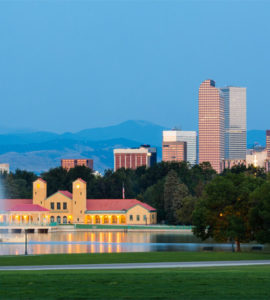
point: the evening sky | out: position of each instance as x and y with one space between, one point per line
71 65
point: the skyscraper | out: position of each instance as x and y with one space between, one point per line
172 138
235 122
268 143
211 125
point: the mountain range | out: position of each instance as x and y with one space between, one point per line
40 151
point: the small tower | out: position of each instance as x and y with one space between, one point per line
39 192
79 200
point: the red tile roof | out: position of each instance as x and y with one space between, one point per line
7 204
40 179
81 180
66 193
114 204
28 207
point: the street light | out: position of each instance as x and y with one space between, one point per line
25 244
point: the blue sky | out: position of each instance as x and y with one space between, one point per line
70 65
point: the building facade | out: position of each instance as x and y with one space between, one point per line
64 207
72 163
235 122
132 158
174 142
4 168
268 143
256 158
211 125
174 151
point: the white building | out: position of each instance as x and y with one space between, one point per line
256 158
235 122
4 168
190 137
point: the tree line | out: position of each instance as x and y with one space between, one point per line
234 205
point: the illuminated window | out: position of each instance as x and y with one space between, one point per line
52 205
58 219
65 205
114 220
58 205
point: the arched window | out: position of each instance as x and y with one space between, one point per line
106 219
52 219
123 219
58 219
88 219
114 220
97 219
64 220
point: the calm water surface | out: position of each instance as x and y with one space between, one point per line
101 242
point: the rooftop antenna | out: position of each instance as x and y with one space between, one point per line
177 127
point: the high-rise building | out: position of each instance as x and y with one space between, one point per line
174 151
72 163
268 143
132 158
211 125
235 122
173 147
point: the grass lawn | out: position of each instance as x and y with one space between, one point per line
99 258
204 283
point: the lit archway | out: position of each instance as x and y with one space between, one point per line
97 219
52 219
88 220
58 219
114 220
64 220
105 219
123 219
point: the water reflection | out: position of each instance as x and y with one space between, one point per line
101 242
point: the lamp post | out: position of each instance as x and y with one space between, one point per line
25 244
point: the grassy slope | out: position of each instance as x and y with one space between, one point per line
97 258
207 283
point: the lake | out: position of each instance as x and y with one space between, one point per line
101 242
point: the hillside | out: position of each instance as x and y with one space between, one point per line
40 151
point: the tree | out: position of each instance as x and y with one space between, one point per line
154 196
222 212
260 213
184 214
174 192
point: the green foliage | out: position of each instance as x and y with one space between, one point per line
184 214
260 213
223 211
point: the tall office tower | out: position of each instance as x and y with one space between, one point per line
175 138
72 163
211 125
235 122
132 158
268 143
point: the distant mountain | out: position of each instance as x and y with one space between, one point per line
39 151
